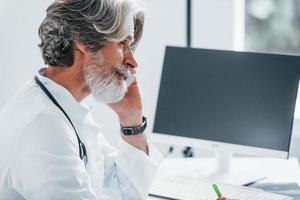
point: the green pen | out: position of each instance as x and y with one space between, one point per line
217 191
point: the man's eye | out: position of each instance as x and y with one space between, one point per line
126 47
124 44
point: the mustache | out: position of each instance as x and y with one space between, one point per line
121 69
129 77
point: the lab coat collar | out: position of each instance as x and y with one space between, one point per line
66 100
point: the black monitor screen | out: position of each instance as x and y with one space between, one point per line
233 97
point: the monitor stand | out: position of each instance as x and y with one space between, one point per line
224 171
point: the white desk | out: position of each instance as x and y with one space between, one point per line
275 170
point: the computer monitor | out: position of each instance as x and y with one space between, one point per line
238 102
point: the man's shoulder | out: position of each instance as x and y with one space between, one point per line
49 127
38 122
26 105
29 121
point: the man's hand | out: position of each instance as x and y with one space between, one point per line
129 109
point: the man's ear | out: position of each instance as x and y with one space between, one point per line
78 46
82 51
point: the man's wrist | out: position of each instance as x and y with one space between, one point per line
134 130
131 121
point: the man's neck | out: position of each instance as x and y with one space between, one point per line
70 79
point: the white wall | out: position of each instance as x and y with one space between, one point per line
19 53
213 24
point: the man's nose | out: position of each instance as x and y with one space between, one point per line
130 61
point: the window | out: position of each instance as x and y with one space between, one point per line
272 26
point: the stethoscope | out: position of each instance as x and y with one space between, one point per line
82 149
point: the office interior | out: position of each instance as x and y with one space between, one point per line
271 26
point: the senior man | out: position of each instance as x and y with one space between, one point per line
51 147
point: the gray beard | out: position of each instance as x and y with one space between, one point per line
107 87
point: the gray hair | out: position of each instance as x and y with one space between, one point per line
90 22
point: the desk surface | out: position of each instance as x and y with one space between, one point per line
275 170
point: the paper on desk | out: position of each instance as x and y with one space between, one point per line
289 189
195 189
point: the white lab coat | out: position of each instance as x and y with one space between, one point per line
39 152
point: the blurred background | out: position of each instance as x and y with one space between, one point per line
241 25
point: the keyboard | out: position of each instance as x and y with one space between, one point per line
182 188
